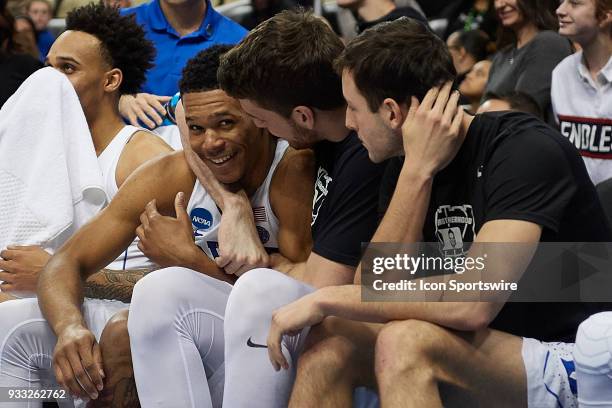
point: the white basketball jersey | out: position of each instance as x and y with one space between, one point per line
132 257
205 215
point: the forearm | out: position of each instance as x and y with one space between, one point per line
113 285
60 293
405 217
203 264
345 302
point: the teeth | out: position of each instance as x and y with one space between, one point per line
222 159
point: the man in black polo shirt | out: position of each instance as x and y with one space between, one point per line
499 177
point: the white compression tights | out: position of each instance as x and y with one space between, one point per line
27 343
176 337
250 380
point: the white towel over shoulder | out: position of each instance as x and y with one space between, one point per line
50 179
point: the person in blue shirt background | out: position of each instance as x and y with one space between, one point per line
40 12
179 29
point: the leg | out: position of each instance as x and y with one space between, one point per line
119 385
593 357
26 349
341 353
251 381
176 337
419 364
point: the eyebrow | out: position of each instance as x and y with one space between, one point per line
69 59
213 115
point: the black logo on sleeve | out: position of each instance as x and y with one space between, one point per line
255 345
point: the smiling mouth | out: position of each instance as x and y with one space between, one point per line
223 159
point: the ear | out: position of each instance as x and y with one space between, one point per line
303 116
392 113
606 20
112 80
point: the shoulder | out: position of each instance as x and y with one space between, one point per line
568 65
142 147
136 10
296 162
227 30
523 137
354 161
167 171
547 40
145 145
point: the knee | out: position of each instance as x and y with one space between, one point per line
256 294
115 340
327 352
254 283
157 292
593 348
405 346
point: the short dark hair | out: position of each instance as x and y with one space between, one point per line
476 43
520 102
284 62
123 42
397 59
200 72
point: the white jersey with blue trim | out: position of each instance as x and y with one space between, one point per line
205 215
132 257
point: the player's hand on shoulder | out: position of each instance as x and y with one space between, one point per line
147 108
167 241
77 362
240 248
431 130
20 267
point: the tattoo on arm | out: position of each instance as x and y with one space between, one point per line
113 285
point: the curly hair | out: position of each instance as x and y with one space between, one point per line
200 72
123 42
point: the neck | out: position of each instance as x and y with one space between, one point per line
330 124
256 175
465 125
104 124
597 53
186 17
474 106
525 34
370 10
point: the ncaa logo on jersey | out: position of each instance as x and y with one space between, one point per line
201 219
454 227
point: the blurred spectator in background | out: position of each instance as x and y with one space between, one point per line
514 101
368 13
581 89
40 12
468 15
118 3
25 35
467 48
263 10
473 86
529 50
15 66
179 29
